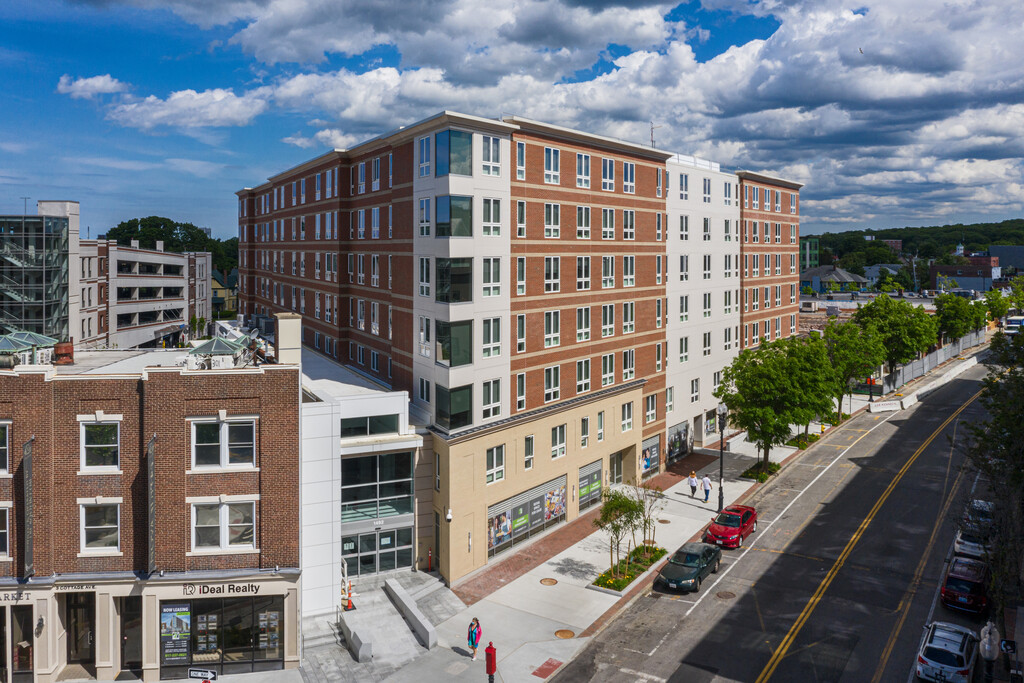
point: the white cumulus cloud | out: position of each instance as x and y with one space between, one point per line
87 88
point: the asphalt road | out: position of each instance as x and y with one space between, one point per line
841 575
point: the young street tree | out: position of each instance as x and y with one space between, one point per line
997 304
619 516
905 330
811 379
853 352
756 388
957 316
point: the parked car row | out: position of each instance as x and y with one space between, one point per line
694 562
949 652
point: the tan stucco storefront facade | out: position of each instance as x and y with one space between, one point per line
532 494
153 628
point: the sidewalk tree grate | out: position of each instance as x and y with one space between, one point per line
548 582
565 634
725 595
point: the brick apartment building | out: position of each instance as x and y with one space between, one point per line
148 518
770 277
512 276
134 297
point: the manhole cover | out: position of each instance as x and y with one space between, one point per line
725 595
565 633
548 582
663 521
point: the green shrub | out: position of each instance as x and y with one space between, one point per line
760 473
638 564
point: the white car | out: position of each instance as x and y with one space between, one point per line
948 653
971 542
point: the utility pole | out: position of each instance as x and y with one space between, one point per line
652 132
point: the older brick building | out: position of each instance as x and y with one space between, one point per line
148 517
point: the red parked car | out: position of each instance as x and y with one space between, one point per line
965 585
730 526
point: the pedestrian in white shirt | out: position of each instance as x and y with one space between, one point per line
706 485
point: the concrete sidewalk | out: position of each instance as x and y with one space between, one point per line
535 626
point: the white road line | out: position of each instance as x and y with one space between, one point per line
641 676
782 514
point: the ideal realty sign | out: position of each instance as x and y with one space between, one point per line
192 589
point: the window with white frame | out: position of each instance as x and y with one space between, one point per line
492 337
657 226
792 324
792 202
684 267
528 453
792 294
707 266
552 220
707 344
557 442
492 217
756 198
650 408
707 230
551 165
727 194
100 444
628 317
584 432
607 369
600 426
495 464
607 224
684 308
756 267
727 338
5 449
607 272
582 273
520 333
628 225
491 396
657 269
756 295
224 443
491 155
694 390
657 182
608 174
521 275
552 281
521 391
582 170
628 364
670 396
684 349
778 200
583 324
727 302
100 528
627 416
5 532
778 295
520 219
360 274
424 150
658 315
582 376
629 271
375 270
492 276
792 263
424 336
716 380
583 222
362 177
424 276
684 228
778 233
552 384
551 328
628 177
684 185
707 190
424 390
707 304
607 320
520 161
223 526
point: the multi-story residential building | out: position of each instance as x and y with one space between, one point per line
39 270
134 297
521 301
703 309
149 516
770 217
809 252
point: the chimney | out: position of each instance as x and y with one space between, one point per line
159 245
288 338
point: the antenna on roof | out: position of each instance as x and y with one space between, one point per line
652 132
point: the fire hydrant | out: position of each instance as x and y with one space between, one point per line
491 657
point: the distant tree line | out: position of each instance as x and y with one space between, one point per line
177 237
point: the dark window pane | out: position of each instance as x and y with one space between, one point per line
404 537
102 435
355 494
361 470
461 152
443 216
270 627
383 424
454 407
395 506
367 564
454 280
441 142
461 209
395 466
405 557
396 488
348 545
367 543
206 633
353 426
387 561
238 630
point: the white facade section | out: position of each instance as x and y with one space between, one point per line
489 248
702 291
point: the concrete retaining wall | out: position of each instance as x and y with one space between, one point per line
361 651
423 629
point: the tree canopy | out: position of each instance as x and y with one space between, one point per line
853 352
904 329
177 237
957 316
935 241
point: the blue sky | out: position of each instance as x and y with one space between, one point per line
895 112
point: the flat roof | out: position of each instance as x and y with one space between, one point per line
334 379
119 361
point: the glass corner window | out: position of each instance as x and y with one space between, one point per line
101 444
453 153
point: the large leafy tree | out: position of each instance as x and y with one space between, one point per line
853 352
955 315
997 304
757 390
812 379
905 330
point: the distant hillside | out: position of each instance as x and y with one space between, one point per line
931 242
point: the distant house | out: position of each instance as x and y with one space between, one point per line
818 278
225 291
874 273
976 275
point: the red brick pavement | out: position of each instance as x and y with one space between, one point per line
518 562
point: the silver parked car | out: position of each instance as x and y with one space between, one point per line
972 542
948 653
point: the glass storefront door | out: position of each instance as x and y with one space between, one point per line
21 641
377 551
615 468
131 633
80 609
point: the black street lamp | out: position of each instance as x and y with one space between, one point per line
722 412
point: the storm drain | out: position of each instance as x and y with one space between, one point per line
565 633
725 595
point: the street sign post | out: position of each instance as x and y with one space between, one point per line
202 674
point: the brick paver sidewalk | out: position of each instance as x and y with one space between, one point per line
520 561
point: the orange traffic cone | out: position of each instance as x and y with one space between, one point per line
349 606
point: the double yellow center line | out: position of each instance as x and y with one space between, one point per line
787 642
